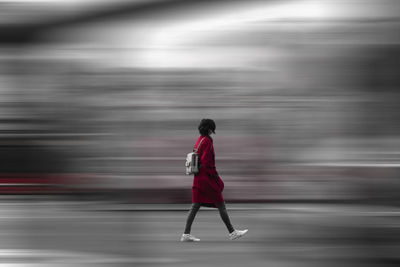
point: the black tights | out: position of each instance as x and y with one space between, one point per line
222 211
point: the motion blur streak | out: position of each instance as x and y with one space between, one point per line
100 102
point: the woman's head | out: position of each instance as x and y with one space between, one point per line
206 127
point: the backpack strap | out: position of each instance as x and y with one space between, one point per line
196 149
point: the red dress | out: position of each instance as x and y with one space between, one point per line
207 185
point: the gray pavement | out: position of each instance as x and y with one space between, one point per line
65 233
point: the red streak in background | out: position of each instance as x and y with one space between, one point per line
45 183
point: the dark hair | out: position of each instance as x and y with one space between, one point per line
205 126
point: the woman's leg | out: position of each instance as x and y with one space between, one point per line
224 216
192 213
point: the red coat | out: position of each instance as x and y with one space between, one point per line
207 185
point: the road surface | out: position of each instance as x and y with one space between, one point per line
66 233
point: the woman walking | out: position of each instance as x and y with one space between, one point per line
207 185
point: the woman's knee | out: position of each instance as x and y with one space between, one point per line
195 205
221 205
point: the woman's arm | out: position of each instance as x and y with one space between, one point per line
207 159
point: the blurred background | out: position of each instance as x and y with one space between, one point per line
100 103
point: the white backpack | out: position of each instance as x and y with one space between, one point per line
192 160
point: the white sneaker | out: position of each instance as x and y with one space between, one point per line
237 234
189 238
